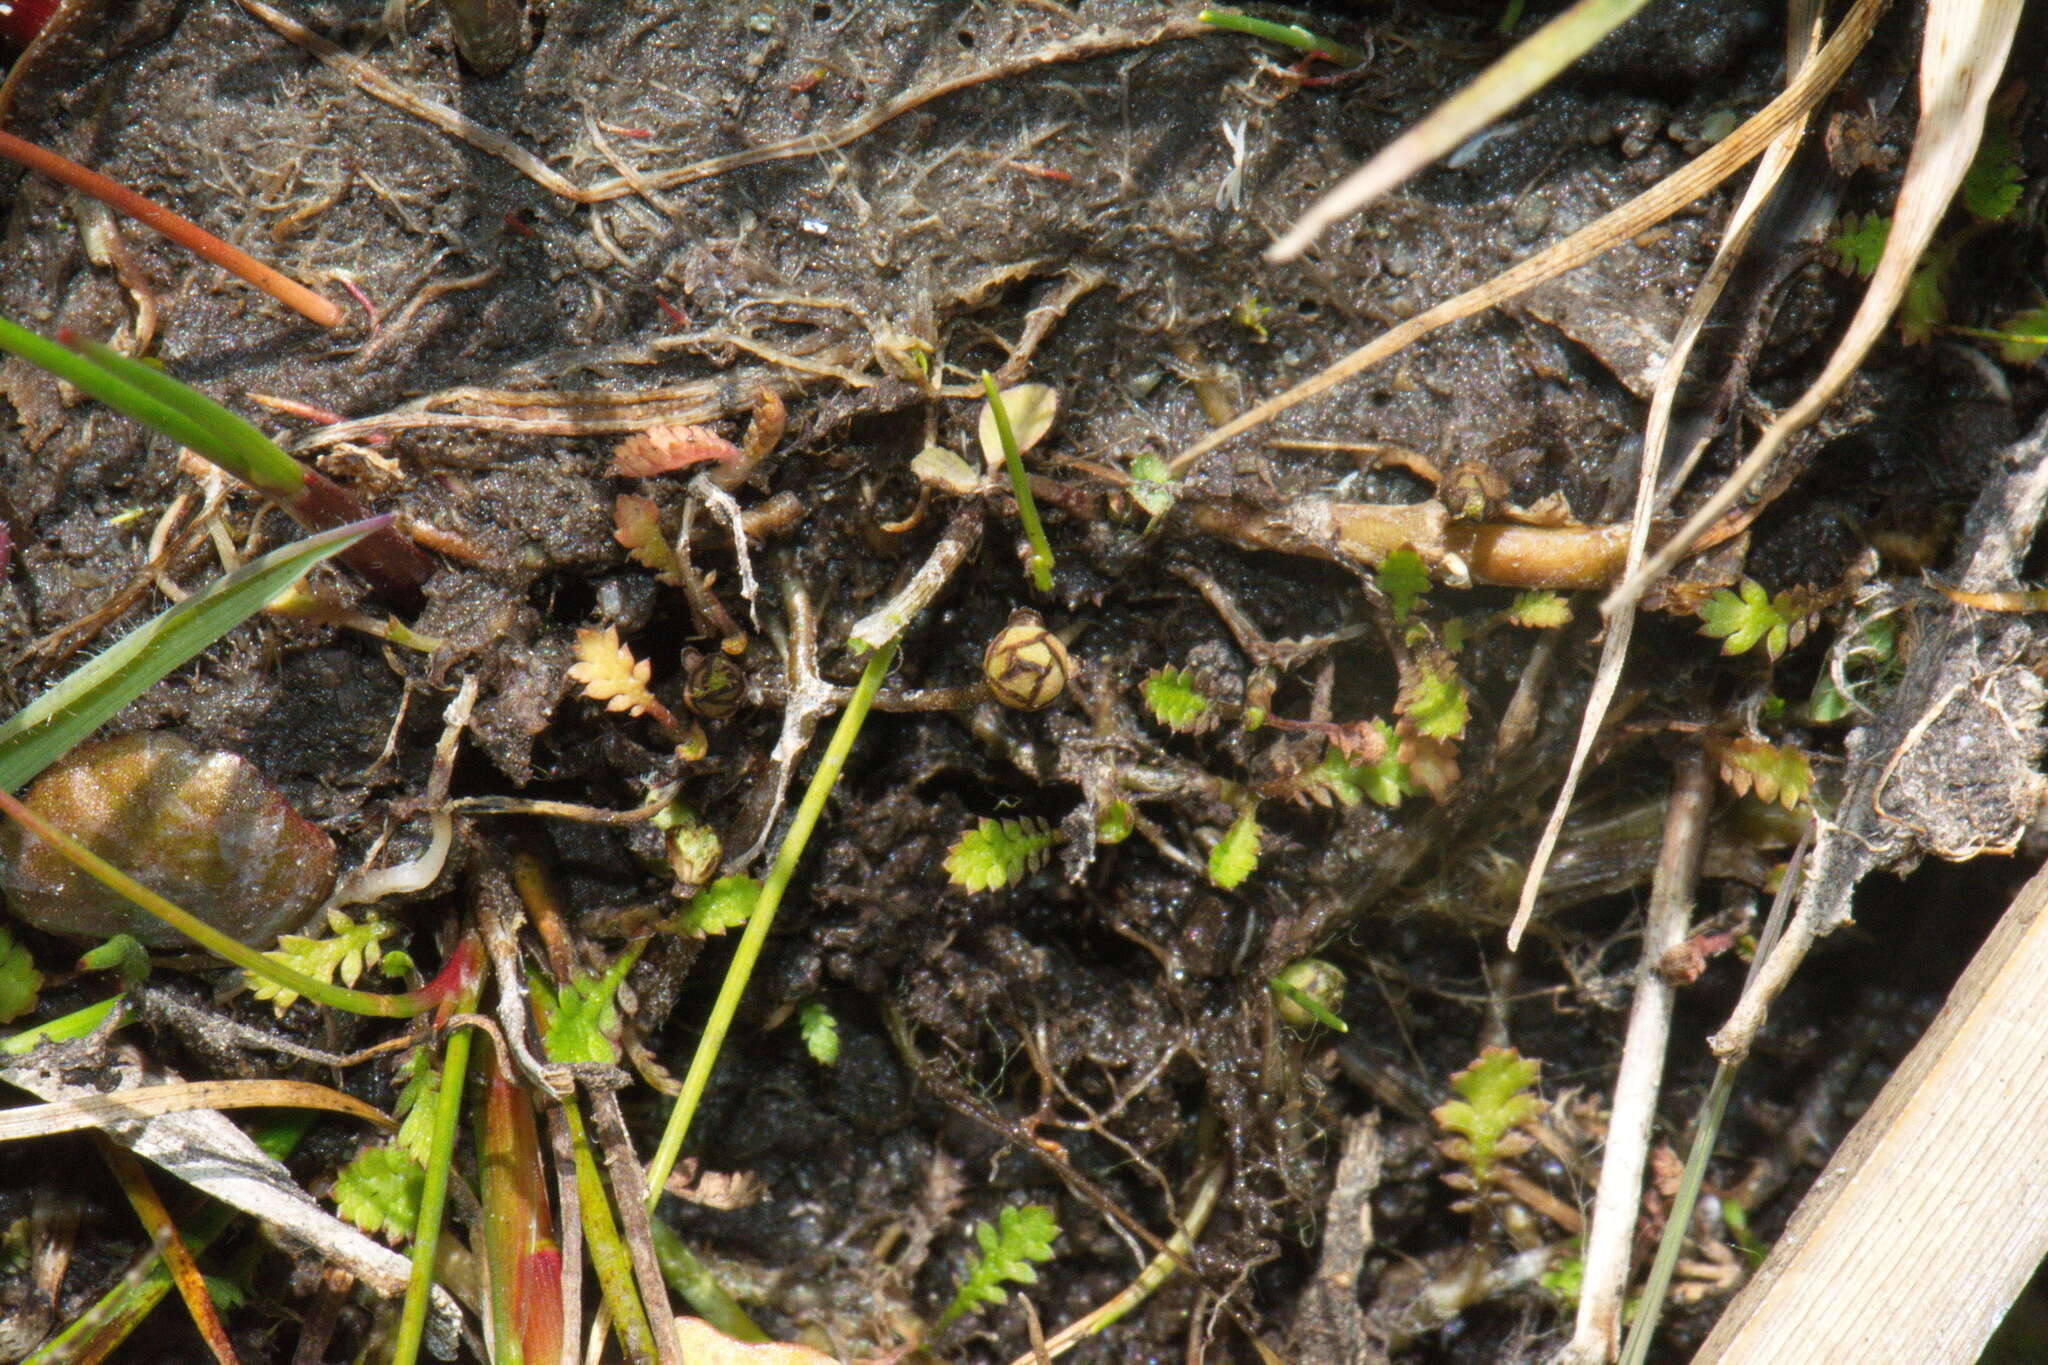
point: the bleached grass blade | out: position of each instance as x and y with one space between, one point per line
1525 69
1655 204
1803 40
1961 59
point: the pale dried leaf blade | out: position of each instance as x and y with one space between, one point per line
1962 56
1655 204
1523 70
1030 408
704 1344
938 467
177 1097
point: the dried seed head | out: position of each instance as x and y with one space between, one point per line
204 829
1026 666
1320 981
715 686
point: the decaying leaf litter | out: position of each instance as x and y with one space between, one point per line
1097 1037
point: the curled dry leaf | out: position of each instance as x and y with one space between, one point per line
607 672
664 449
1030 408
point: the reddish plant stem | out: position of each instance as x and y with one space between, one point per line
184 232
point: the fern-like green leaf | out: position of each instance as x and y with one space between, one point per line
1539 610
999 853
1176 700
725 904
820 1032
1496 1100
1780 773
379 1192
1991 187
1859 246
1022 1234
582 1022
1384 782
347 949
415 1106
1436 705
1236 855
1402 577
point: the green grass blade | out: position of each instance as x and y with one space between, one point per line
232 442
47 728
82 374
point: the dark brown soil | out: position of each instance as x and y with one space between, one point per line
1113 1006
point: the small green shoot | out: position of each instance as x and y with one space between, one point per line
1436 704
1022 1234
20 982
1385 781
415 1106
379 1191
1152 487
1251 315
583 1018
1306 989
1538 610
1739 620
1495 1103
1992 186
1236 855
121 954
1115 822
1176 699
1564 1281
1292 35
1402 577
1860 244
820 1032
345 952
999 853
997 414
725 904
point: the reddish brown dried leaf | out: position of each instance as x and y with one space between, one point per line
664 449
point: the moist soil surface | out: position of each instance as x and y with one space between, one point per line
1098 1036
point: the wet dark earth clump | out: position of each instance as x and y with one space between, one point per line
1098 1033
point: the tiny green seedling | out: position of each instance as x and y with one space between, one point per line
999 853
997 415
1022 1234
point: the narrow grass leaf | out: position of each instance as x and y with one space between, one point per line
230 441
48 727
1525 69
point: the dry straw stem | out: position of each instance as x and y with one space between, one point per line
1654 205
183 231
1802 39
1636 1084
177 1097
1962 56
1923 1229
1523 71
